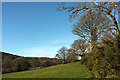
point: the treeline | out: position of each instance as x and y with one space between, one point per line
14 63
77 50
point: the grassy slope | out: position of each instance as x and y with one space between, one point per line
71 70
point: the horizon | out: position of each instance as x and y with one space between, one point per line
35 29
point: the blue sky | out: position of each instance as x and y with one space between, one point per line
35 29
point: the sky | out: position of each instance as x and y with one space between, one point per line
35 29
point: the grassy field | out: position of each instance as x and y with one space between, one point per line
71 70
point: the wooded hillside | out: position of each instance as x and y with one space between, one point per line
15 63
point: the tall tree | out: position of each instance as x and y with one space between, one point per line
104 8
62 54
89 26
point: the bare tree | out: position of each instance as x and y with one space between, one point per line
80 47
62 54
106 8
71 56
89 26
103 8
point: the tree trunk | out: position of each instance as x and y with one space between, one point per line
93 38
117 42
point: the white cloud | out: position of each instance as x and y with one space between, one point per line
41 51
48 50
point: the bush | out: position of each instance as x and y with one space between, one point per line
46 63
104 60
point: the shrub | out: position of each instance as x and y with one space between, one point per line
104 60
46 63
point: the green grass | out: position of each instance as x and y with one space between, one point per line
71 70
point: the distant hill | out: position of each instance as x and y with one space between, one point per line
15 63
8 55
4 54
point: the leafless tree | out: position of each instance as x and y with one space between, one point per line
89 27
71 56
80 46
103 8
62 54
